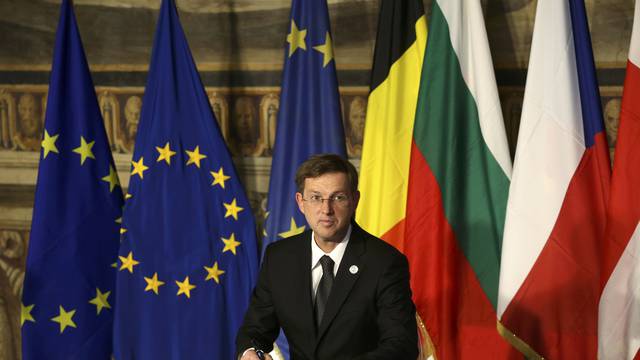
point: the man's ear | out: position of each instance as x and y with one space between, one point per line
356 199
300 202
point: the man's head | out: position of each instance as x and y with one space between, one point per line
611 120
132 115
327 195
357 117
244 124
27 111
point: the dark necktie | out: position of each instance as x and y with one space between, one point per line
324 288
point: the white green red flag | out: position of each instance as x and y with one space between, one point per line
459 178
555 223
619 315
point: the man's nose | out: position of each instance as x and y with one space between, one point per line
326 206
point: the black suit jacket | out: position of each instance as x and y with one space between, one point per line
369 314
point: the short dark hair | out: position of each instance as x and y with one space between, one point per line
318 165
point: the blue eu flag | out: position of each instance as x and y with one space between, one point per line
188 259
309 120
68 300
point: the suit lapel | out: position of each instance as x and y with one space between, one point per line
345 279
301 277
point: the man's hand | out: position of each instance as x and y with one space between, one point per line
252 355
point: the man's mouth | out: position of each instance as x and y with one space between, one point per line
326 222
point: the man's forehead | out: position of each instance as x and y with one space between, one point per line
320 191
329 181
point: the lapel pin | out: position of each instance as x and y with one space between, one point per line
353 269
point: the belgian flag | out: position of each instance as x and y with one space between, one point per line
395 79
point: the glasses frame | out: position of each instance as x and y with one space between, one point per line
341 200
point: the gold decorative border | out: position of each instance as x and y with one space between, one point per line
427 349
201 67
517 343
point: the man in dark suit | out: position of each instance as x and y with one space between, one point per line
337 291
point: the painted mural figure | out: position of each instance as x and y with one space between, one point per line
127 131
269 106
27 136
244 128
12 248
611 122
357 116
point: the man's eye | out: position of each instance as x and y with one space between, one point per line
339 198
316 198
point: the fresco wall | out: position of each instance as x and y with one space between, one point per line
238 47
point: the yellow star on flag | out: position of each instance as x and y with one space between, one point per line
153 284
185 288
214 273
232 209
100 301
139 168
195 156
230 244
165 153
293 230
84 150
25 313
219 178
119 220
128 262
127 196
296 38
326 49
49 144
112 179
65 319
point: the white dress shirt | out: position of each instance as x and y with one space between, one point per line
335 255
316 269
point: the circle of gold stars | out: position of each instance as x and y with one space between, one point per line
155 283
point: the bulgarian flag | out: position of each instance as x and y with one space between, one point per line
555 225
458 186
619 316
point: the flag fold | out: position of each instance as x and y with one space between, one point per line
554 230
188 260
68 296
619 308
459 178
309 119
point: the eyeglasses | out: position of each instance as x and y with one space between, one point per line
338 200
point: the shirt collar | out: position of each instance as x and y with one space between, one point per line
335 255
